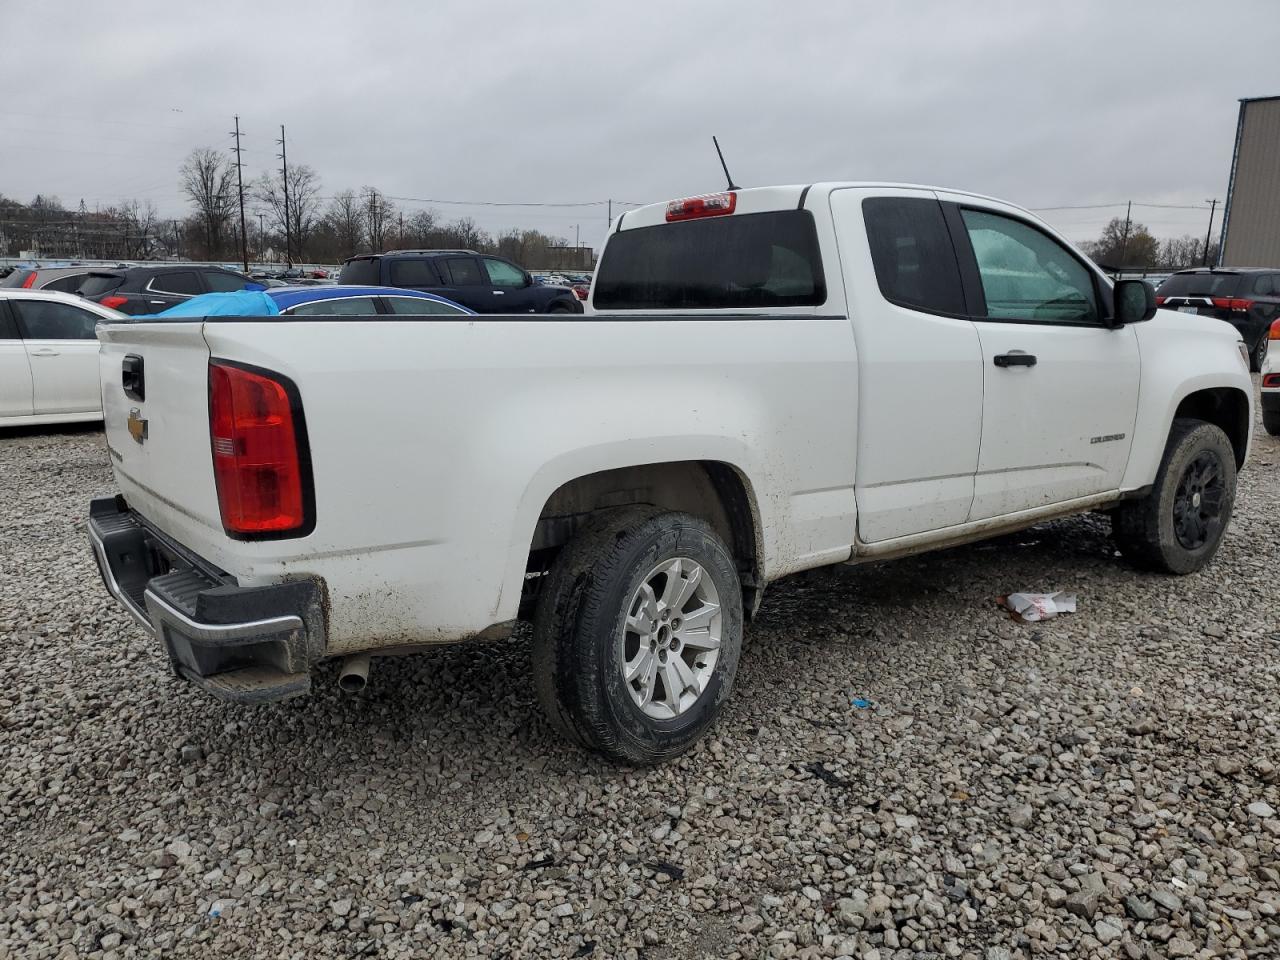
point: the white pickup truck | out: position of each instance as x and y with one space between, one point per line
770 380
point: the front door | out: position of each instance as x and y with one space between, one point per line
509 286
468 283
919 362
15 370
63 353
1060 388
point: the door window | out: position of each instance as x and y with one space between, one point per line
912 253
343 307
185 283
503 274
8 329
464 272
421 306
48 320
1027 275
413 273
223 282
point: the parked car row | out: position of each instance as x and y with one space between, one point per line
1248 299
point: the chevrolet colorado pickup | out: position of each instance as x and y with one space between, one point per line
770 380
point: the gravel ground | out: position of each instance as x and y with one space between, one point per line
1100 785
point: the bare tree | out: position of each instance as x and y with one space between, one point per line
378 212
345 218
304 202
208 180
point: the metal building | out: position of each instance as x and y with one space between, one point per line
1251 224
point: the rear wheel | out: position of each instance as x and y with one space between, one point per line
560 308
1271 422
1179 525
637 634
1259 355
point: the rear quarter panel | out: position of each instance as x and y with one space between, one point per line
435 444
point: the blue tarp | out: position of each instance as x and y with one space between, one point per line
240 303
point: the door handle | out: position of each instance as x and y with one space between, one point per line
1015 358
156 302
499 293
44 352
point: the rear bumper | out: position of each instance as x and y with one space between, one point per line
244 644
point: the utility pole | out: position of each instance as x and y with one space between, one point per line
244 236
284 178
401 230
1124 238
262 239
1213 205
177 242
610 220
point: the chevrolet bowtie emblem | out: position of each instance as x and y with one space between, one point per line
137 425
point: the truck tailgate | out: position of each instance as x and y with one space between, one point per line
162 460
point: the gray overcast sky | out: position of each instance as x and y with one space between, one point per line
1040 103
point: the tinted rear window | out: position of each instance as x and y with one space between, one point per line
413 273
361 272
96 284
1200 285
733 262
67 284
911 249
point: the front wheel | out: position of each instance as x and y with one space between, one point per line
1271 421
637 634
1179 525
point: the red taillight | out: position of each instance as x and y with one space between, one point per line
1160 300
256 432
115 303
1274 332
1271 380
29 280
710 205
1232 303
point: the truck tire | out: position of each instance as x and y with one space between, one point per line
639 602
1179 525
1271 422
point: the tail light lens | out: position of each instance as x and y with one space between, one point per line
29 280
114 302
1271 380
1274 332
1160 300
259 453
1232 303
710 205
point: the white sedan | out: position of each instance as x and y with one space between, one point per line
49 357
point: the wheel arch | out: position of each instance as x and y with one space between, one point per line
717 491
1224 407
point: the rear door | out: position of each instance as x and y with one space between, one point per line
919 362
63 354
15 369
1060 388
468 283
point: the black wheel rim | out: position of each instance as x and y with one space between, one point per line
1197 504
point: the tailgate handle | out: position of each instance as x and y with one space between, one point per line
131 378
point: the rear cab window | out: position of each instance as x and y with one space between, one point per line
911 251
730 262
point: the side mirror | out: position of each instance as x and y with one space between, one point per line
528 280
1135 301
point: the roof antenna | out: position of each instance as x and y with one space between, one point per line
732 185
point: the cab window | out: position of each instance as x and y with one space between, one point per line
503 274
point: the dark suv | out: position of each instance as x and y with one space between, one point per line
1247 298
139 290
482 282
